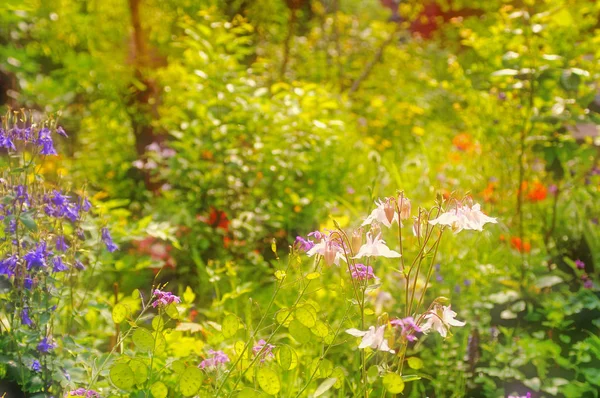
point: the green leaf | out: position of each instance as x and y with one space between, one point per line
230 326
415 363
143 340
172 311
122 376
119 313
28 221
189 296
158 323
305 316
339 375
159 390
140 370
287 357
284 317
190 381
407 378
393 383
325 386
300 332
268 380
178 366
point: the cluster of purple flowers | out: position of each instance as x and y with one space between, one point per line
59 205
218 358
164 298
45 346
27 135
408 328
362 272
264 350
82 392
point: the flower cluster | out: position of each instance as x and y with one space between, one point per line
464 217
408 328
362 272
40 138
264 350
164 298
82 392
218 358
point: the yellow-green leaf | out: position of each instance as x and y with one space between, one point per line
415 363
119 313
159 390
143 340
230 326
268 380
313 275
287 357
189 296
393 383
305 316
300 332
140 370
190 381
122 376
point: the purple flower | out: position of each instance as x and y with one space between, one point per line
37 257
59 266
82 392
28 283
86 205
580 264
107 239
12 226
8 265
553 189
61 131
25 319
318 235
45 141
6 141
79 265
467 282
36 366
588 284
362 272
265 350
45 346
164 298
408 328
218 357
457 288
303 244
61 245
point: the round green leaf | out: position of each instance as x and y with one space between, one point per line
300 332
305 316
284 317
248 392
393 383
415 363
230 326
172 311
140 370
158 323
339 375
143 340
190 381
160 344
159 390
287 357
320 329
119 313
122 376
178 366
268 380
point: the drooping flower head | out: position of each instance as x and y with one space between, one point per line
264 350
375 247
327 247
25 319
107 239
373 338
218 358
440 318
362 272
408 328
164 298
384 213
45 346
464 217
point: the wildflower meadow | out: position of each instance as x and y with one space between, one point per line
299 198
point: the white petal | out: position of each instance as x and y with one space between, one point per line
356 332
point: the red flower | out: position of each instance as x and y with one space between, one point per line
537 192
517 244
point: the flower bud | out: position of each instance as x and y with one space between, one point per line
375 229
330 253
356 240
389 210
404 208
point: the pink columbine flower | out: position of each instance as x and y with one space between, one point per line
375 247
331 250
164 298
362 272
440 319
384 213
408 328
464 217
218 358
82 392
267 350
373 338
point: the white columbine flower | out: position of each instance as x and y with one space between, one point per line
375 247
373 338
464 217
440 319
382 213
331 251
